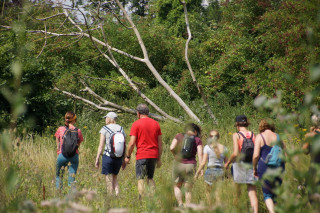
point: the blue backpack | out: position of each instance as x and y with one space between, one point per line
273 159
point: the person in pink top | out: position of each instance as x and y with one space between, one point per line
145 134
63 161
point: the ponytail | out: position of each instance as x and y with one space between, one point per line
69 117
213 140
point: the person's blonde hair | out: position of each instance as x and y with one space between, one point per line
213 141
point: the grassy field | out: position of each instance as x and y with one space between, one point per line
35 157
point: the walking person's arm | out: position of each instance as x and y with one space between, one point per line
256 154
58 143
131 145
100 148
202 164
173 149
235 151
159 163
200 155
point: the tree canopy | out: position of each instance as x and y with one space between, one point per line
240 49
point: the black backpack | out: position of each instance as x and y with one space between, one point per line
247 148
70 143
188 145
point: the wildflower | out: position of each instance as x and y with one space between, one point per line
304 130
85 127
229 133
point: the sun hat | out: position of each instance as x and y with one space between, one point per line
112 115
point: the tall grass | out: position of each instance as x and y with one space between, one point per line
35 160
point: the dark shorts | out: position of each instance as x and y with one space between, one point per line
145 167
110 165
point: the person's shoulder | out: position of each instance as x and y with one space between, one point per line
61 128
236 134
198 140
151 120
179 135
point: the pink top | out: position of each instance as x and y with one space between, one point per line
59 134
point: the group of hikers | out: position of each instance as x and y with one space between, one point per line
252 156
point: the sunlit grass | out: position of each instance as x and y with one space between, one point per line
35 160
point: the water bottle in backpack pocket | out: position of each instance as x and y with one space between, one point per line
247 148
117 143
70 142
188 145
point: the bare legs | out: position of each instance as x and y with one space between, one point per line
270 205
112 184
141 187
209 196
252 192
178 193
188 187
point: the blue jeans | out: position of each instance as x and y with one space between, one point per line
213 174
63 162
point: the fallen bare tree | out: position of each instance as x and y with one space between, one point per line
85 30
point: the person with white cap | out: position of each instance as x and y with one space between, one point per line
111 163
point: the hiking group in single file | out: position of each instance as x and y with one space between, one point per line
252 156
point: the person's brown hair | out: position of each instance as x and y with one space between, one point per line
266 124
242 124
69 117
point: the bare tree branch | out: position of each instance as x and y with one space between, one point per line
45 40
114 63
83 99
43 19
147 61
116 107
203 96
118 82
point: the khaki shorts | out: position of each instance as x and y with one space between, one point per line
183 172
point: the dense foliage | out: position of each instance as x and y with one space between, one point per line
240 50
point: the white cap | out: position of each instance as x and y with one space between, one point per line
112 115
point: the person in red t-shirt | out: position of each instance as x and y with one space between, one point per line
146 135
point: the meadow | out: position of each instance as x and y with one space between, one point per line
33 158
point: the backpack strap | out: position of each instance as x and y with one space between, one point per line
241 134
251 136
108 129
317 132
263 139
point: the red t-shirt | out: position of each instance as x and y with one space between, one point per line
191 160
147 131
59 134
